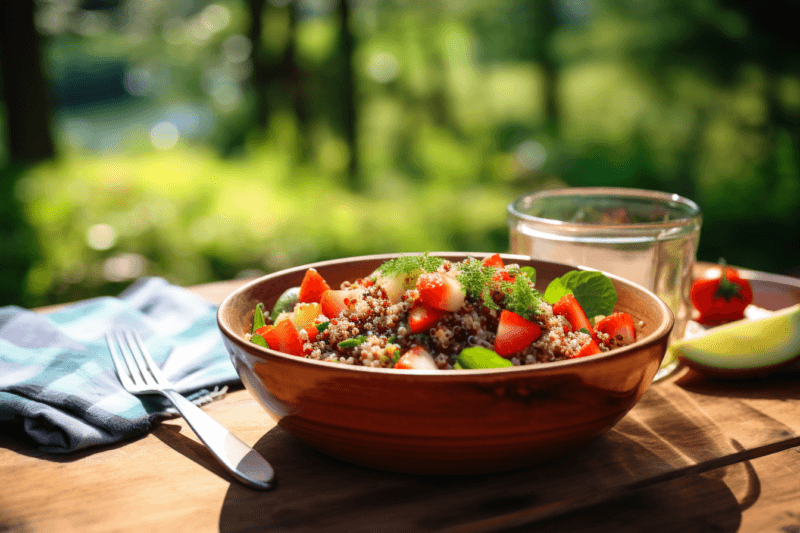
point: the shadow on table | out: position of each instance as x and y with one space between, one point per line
616 482
783 385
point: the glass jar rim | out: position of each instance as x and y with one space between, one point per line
692 214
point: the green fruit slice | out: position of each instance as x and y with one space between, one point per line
477 357
746 346
285 303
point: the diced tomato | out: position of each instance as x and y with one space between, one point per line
514 333
422 317
284 338
618 324
722 298
312 287
312 332
417 358
590 348
569 307
441 291
333 302
493 261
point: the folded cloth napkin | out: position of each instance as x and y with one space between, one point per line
57 378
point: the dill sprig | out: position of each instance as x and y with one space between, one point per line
406 264
480 282
523 299
477 281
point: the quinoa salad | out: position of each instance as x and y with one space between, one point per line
427 313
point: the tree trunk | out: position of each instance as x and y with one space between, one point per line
349 95
24 91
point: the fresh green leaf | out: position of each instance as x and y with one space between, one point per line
530 272
584 330
478 357
391 339
258 318
594 291
406 264
352 342
258 339
555 291
322 327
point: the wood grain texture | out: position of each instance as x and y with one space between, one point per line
693 455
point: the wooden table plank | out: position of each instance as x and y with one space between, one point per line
652 461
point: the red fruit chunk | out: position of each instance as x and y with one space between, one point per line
514 333
262 330
422 317
312 287
417 358
284 338
569 307
441 291
721 299
618 324
590 348
493 261
334 302
312 332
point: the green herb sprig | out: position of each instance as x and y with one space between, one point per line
406 264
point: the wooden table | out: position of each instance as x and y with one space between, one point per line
709 456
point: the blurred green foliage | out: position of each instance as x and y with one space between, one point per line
461 106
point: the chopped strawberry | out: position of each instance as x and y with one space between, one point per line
393 287
590 348
334 302
284 338
312 287
441 291
569 307
262 330
421 317
514 333
493 261
417 358
618 324
312 331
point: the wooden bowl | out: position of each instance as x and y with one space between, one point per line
452 421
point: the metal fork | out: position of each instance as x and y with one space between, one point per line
139 375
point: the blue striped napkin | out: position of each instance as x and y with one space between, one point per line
57 379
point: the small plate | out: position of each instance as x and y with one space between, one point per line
770 291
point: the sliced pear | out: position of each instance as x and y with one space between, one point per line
746 347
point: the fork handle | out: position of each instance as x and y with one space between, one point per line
238 458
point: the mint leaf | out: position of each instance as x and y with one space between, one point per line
530 272
555 291
593 290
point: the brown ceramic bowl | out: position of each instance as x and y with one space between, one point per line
452 421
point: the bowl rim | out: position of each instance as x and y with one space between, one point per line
661 332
